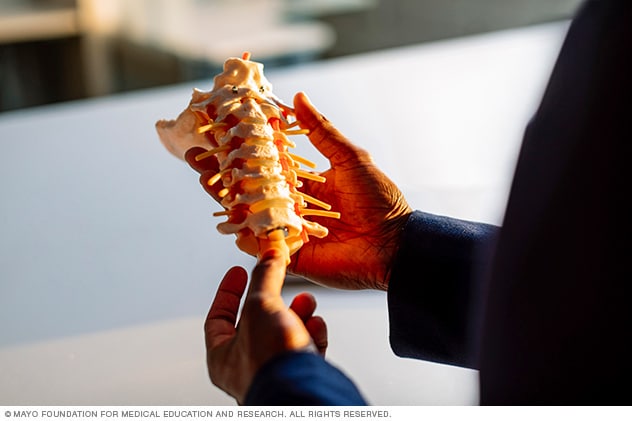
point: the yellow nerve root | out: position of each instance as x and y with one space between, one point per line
302 160
212 152
209 127
310 176
314 201
217 177
222 213
317 212
295 132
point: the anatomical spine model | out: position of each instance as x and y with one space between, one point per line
246 128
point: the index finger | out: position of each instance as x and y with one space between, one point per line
324 136
207 168
208 164
269 274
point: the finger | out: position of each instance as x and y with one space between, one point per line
303 305
207 168
203 165
269 274
324 136
214 188
222 316
317 329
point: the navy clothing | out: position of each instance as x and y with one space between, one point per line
557 327
549 320
540 307
302 378
433 295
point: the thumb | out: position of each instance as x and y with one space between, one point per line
222 316
324 136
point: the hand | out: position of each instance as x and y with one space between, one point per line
361 245
236 351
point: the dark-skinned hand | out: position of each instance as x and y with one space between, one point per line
361 245
236 350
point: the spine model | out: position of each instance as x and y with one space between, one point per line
246 128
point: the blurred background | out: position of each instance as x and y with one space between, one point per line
61 50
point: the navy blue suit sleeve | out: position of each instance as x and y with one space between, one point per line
302 378
435 287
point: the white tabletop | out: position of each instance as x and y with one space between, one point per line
109 255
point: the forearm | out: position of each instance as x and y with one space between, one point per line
435 287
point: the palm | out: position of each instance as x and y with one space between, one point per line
359 249
357 252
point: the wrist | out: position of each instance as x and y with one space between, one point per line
394 232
